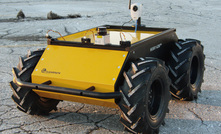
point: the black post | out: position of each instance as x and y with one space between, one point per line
139 22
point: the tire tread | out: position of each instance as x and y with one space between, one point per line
27 100
132 115
178 64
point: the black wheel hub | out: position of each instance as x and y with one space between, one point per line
194 72
155 97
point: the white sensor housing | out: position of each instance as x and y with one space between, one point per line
135 11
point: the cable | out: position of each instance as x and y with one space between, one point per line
136 26
90 31
125 23
123 35
54 32
122 29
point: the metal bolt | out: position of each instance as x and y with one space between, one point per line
124 55
42 59
113 78
47 48
118 67
36 69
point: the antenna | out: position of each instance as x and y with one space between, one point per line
129 4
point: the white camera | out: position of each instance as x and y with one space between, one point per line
135 11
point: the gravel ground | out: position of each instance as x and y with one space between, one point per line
192 19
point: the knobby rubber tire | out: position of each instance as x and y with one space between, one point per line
186 65
145 96
27 100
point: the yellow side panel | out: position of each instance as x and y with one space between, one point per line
79 68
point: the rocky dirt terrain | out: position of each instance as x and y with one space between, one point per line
192 19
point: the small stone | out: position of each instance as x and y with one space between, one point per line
74 15
20 15
53 16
